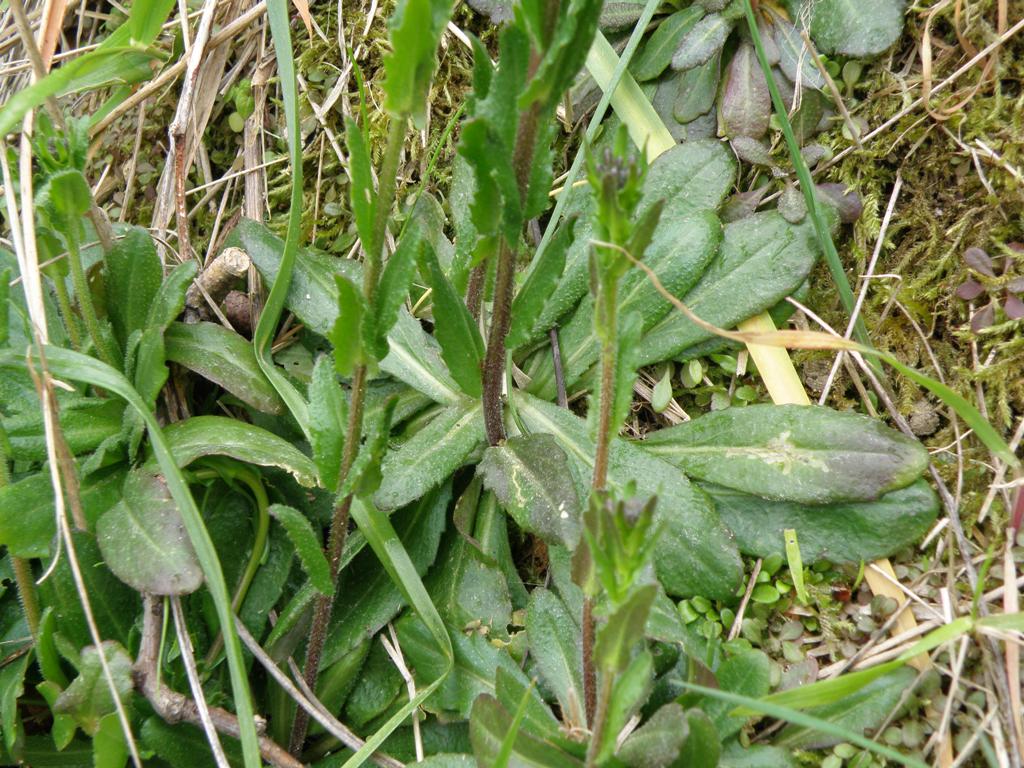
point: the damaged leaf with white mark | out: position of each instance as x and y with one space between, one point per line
531 477
805 454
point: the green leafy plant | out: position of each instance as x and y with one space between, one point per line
524 578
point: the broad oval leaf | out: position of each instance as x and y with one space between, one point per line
807 454
144 542
220 436
703 41
312 293
694 176
695 554
746 103
225 358
855 27
657 53
762 260
430 456
840 533
531 477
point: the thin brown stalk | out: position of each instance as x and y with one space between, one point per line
475 292
373 251
600 721
175 707
504 283
607 319
26 593
306 699
189 660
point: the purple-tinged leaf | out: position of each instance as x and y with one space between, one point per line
794 58
846 201
815 153
742 204
746 104
144 542
979 261
753 151
1013 307
970 290
983 318
697 90
1016 285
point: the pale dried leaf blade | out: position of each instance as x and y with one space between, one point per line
302 6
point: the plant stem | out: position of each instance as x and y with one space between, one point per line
607 324
600 721
22 568
607 319
64 304
494 360
386 187
504 282
85 305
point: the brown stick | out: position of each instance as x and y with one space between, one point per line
175 707
214 282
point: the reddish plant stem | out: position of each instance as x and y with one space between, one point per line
340 518
504 281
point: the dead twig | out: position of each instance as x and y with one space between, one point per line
175 707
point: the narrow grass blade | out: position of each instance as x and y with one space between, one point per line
829 691
983 430
796 565
67 364
277 14
807 721
806 182
381 537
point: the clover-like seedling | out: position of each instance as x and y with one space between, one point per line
1002 287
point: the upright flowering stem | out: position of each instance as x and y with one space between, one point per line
373 252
